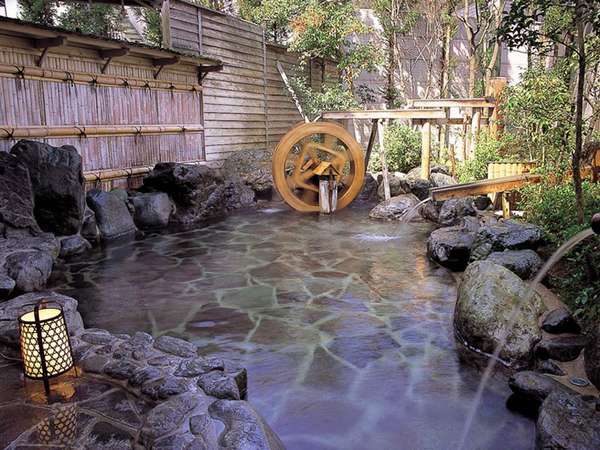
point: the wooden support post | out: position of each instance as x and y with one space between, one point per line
465 139
495 87
382 157
371 142
324 207
505 205
45 44
162 62
425 149
165 24
475 122
111 53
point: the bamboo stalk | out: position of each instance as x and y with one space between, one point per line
37 73
114 174
8 132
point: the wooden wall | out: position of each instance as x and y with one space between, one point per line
246 105
45 102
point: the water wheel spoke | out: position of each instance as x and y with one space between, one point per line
346 180
310 196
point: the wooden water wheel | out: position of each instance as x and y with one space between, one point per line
297 158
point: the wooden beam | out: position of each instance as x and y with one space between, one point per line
425 150
502 184
91 131
110 53
386 114
163 62
46 44
481 102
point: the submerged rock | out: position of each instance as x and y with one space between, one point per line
152 210
451 246
525 263
487 295
454 210
592 357
112 216
567 422
16 198
73 245
394 208
560 320
56 175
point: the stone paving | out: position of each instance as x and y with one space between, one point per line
343 324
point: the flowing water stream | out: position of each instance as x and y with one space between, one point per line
343 323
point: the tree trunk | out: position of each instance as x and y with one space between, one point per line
579 112
390 91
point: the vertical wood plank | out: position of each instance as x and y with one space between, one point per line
382 157
425 149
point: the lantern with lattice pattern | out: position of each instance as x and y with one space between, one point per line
45 344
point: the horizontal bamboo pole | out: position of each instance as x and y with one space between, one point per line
8 132
37 73
115 174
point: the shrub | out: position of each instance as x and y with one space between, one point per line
331 98
553 208
487 150
402 149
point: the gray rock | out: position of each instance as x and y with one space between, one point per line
218 384
394 208
121 369
454 210
567 422
420 187
506 235
73 245
152 210
197 191
244 427
56 175
254 169
175 346
141 338
399 185
98 337
534 386
451 246
482 202
592 356
560 320
431 211
486 297
167 416
525 263
200 425
89 227
94 363
183 441
436 168
30 269
441 179
194 367
143 375
16 198
238 195
7 285
562 348
549 366
368 193
112 216
166 387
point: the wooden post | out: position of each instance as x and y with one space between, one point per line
165 24
384 168
495 87
475 122
371 142
324 206
425 149
505 205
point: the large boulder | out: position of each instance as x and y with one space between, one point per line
524 263
561 348
487 296
369 191
506 235
420 187
592 356
394 208
451 246
30 269
89 228
453 211
112 215
10 311
398 185
439 179
56 175
238 195
73 245
16 199
197 191
152 210
253 167
567 422
534 386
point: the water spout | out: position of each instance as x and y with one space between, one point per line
562 250
409 214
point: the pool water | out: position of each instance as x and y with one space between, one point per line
343 323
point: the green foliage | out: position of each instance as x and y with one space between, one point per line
273 15
153 31
537 112
331 98
402 149
487 150
552 207
38 11
95 19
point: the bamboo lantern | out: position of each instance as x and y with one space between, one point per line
45 344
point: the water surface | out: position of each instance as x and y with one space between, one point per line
343 324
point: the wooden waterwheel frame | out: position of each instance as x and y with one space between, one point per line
300 187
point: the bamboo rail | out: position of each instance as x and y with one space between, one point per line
115 174
37 73
8 132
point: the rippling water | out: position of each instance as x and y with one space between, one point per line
344 325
